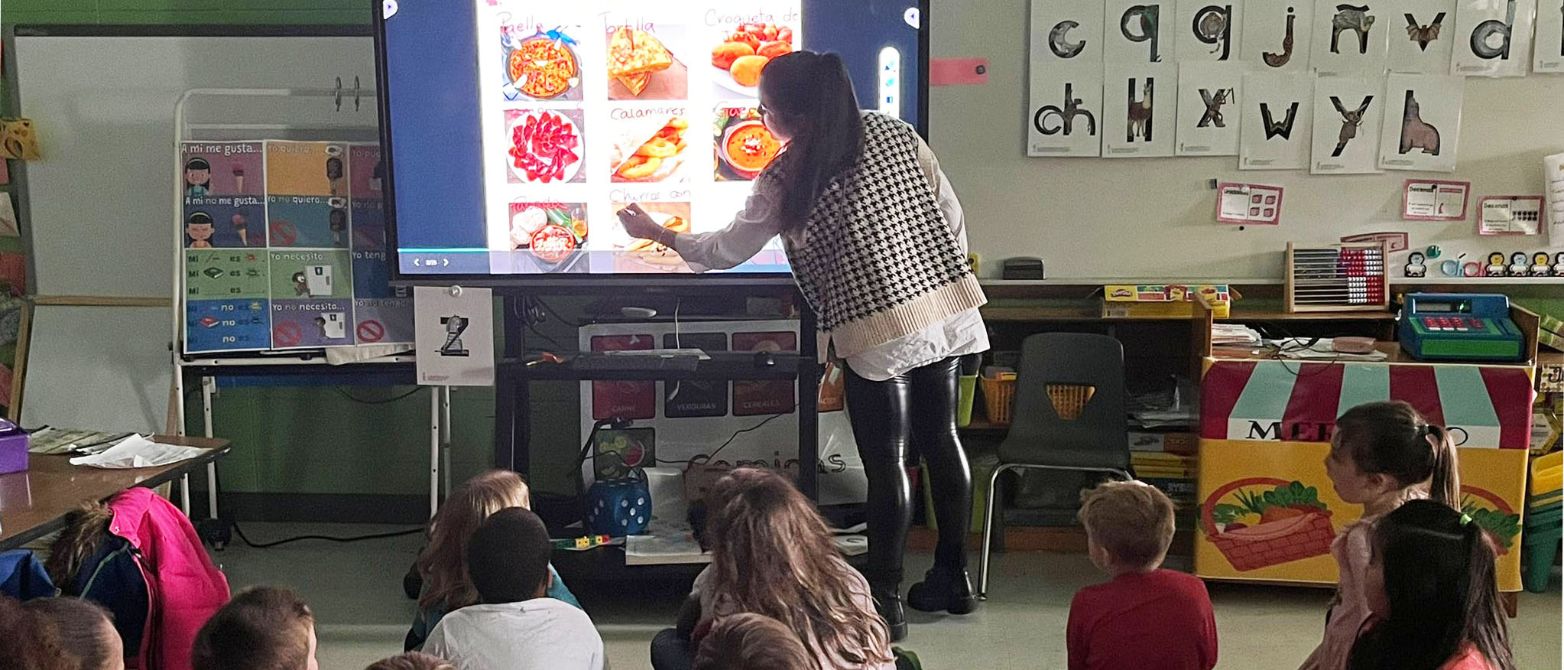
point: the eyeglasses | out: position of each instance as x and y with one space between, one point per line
763 111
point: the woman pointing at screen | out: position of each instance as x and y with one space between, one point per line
876 241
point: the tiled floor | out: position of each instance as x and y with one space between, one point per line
356 592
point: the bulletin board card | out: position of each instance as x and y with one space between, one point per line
284 247
1040 184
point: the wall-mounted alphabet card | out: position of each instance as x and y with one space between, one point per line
1066 32
1493 37
1550 37
1278 113
1422 127
1434 200
1140 103
1276 35
1138 31
1346 125
1422 35
1350 37
1208 108
1065 115
1510 215
1248 204
1209 30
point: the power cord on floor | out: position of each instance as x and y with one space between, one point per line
267 545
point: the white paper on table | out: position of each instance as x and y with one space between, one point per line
138 452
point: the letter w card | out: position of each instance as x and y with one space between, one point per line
1278 114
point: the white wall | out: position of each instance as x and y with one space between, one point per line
1153 218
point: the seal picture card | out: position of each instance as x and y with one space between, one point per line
1422 126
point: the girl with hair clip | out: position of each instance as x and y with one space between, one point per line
877 243
772 554
1383 454
1432 587
447 586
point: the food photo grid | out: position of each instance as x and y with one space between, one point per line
588 110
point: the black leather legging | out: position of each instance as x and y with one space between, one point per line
912 414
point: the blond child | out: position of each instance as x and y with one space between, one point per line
1145 616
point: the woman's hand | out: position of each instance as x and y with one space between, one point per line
641 226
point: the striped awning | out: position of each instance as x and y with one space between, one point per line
1483 406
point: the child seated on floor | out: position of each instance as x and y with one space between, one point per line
772 554
77 633
443 564
515 626
752 642
1145 617
1431 587
411 661
263 628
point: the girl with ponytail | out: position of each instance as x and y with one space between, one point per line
1383 455
1431 586
876 240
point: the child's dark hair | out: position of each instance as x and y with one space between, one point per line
79 632
508 556
1440 583
260 629
412 661
1391 438
750 641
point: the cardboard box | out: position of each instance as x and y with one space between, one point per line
1162 301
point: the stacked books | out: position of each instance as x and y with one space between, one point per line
1173 473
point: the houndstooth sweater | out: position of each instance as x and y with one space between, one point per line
876 259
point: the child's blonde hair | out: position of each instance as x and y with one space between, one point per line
412 661
1132 521
1393 439
444 562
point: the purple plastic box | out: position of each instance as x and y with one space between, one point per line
13 448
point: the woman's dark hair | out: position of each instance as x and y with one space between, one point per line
1392 439
1440 583
812 97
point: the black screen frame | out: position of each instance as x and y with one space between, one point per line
578 282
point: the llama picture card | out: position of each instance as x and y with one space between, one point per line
1422 126
1140 104
1347 120
1209 95
1422 36
1209 30
1493 37
1138 31
1276 35
1278 111
1550 37
1351 36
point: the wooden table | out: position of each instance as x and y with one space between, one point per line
34 503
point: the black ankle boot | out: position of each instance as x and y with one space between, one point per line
888 603
943 590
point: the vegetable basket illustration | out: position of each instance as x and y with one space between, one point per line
1268 522
1493 515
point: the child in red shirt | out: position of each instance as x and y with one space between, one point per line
1145 617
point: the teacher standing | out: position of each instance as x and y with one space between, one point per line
876 241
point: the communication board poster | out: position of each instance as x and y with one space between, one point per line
284 248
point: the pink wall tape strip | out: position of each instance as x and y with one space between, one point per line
958 71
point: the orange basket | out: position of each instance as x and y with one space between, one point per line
1268 544
998 398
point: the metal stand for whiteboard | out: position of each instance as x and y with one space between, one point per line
308 363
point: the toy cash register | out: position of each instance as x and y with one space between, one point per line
1460 327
